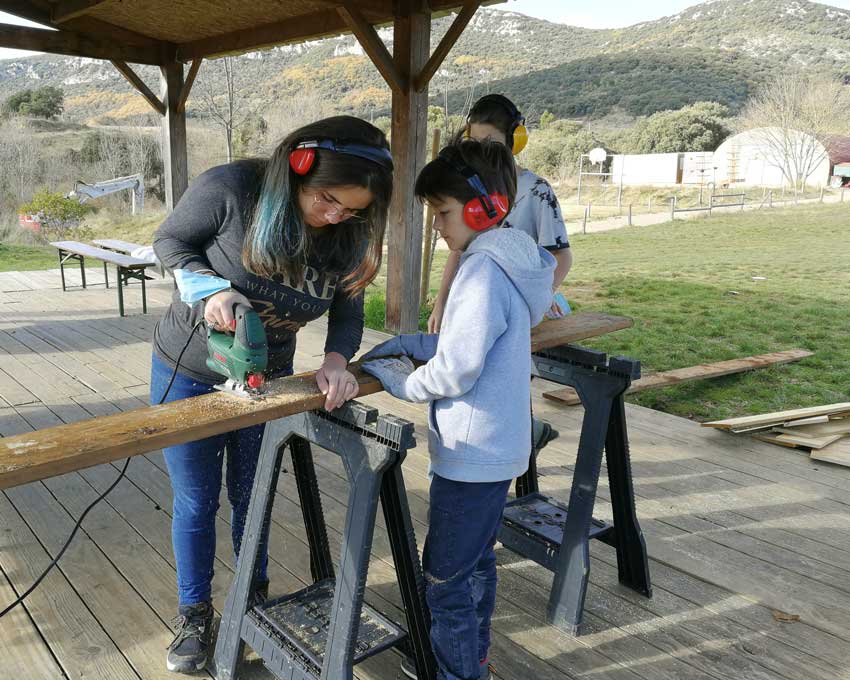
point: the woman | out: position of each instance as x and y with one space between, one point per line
294 236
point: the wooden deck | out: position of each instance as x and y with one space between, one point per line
738 531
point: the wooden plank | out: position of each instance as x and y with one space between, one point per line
702 371
810 442
72 447
448 41
64 620
75 44
23 652
117 244
839 426
779 416
838 453
140 86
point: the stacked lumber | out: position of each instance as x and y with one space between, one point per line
823 431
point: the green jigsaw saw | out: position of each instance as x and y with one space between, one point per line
242 356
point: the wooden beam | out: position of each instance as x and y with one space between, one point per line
411 47
140 86
187 86
174 152
372 44
569 397
39 11
54 451
313 25
65 10
74 44
422 79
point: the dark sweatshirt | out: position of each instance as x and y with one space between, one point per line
206 230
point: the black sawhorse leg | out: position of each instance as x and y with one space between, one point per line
322 631
556 536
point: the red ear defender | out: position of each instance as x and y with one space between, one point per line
301 160
476 217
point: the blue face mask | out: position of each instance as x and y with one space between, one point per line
194 287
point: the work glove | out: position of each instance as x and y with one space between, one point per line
420 346
392 372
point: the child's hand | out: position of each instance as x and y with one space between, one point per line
388 348
436 318
392 372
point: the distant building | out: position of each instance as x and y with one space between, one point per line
745 159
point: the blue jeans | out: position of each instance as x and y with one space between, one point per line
195 470
460 572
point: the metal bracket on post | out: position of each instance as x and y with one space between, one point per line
324 630
555 535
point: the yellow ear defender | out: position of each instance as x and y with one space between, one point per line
517 136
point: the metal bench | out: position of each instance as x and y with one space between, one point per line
126 247
128 268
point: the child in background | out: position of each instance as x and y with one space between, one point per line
536 210
476 381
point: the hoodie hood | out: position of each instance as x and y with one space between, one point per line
529 267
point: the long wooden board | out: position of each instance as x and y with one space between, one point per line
57 450
838 453
569 397
766 419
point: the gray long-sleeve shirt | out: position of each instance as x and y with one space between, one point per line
206 230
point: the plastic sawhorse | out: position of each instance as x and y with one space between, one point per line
556 536
324 630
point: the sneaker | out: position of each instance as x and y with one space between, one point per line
542 433
188 650
408 669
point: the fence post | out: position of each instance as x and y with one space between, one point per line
821 194
630 214
584 221
743 200
673 208
428 253
649 204
620 200
770 198
700 195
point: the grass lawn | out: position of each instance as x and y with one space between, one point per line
14 257
689 287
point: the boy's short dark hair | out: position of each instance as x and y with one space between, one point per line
491 161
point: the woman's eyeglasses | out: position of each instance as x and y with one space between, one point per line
332 207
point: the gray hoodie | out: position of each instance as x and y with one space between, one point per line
478 373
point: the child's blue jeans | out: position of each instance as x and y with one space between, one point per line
460 572
195 470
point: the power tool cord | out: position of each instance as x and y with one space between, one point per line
97 500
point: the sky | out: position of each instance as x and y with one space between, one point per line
593 14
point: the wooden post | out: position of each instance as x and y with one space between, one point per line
174 155
821 194
620 200
584 221
580 168
770 198
673 208
630 214
588 210
411 47
428 253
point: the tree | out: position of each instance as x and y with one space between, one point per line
44 102
221 102
792 117
698 127
546 119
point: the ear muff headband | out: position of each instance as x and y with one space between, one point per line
303 155
517 136
486 209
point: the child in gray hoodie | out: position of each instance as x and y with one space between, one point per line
476 380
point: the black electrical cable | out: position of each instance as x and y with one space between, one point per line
73 533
